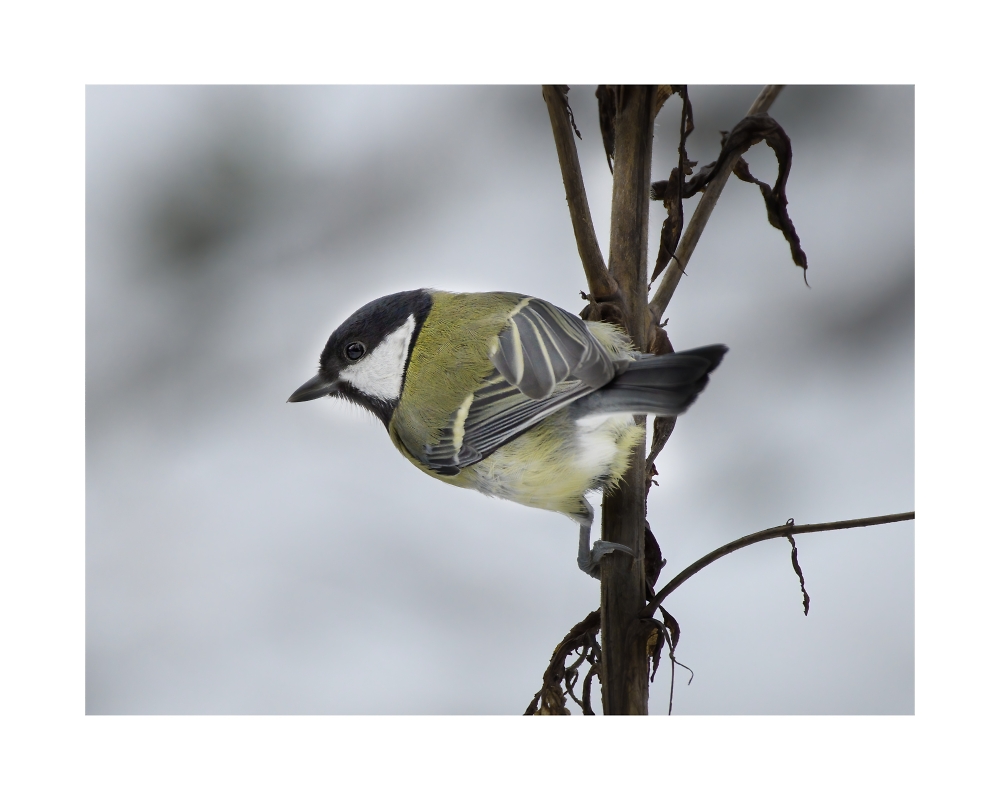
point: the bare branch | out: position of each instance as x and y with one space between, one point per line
602 286
665 291
780 531
766 98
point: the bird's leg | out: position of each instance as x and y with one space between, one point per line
589 558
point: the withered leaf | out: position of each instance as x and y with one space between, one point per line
607 111
798 572
564 95
669 633
673 626
654 648
670 236
776 202
671 191
558 680
749 131
654 561
662 428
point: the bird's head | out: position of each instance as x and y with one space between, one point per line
365 359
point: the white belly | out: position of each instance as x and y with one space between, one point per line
556 463
598 439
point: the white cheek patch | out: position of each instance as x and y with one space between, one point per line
380 373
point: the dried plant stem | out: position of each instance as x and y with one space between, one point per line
625 676
692 234
778 532
602 285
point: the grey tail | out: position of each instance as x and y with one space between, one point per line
663 385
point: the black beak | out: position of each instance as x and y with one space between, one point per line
313 388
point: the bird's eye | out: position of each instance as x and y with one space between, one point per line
355 350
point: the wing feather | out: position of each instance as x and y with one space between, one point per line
543 346
545 359
497 414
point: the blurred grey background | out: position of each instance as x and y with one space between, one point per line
248 556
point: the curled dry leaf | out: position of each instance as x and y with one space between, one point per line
750 130
671 191
559 680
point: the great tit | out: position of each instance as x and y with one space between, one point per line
507 394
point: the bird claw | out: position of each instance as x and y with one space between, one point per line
591 561
589 558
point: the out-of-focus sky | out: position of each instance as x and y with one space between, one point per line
248 556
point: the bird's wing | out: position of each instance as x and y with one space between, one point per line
542 346
490 417
545 359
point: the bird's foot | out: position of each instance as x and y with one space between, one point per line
589 558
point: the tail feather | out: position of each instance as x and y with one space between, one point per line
664 385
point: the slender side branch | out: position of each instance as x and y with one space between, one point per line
780 531
665 291
602 285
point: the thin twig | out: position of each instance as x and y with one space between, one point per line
602 285
661 298
780 531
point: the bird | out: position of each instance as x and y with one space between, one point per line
507 394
